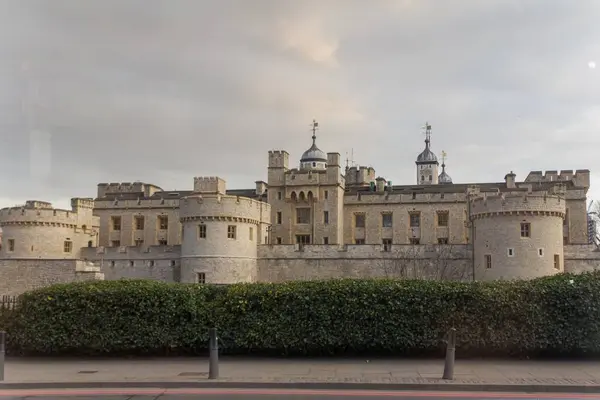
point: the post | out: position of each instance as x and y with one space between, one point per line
213 360
450 353
2 351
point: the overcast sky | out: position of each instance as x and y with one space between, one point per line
161 91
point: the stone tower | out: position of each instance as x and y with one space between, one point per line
427 163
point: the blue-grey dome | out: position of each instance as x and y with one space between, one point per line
444 177
313 154
427 156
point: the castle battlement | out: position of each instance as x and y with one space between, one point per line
211 206
127 187
209 184
130 253
164 202
78 203
495 204
581 177
38 213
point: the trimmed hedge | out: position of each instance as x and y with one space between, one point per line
553 315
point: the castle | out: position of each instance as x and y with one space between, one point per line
318 220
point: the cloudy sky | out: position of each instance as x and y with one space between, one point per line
161 91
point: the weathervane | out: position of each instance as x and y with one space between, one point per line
443 157
314 126
427 129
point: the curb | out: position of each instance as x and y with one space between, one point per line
447 387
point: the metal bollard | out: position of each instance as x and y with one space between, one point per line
213 357
450 353
2 351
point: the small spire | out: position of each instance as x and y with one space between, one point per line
314 126
443 160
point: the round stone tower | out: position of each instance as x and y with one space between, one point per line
35 230
220 234
517 236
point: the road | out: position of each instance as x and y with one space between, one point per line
274 394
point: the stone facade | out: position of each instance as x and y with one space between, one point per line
310 221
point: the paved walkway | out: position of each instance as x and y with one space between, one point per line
304 370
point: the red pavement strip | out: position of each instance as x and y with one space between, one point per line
283 392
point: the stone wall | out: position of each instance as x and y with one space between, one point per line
310 262
581 258
18 276
160 263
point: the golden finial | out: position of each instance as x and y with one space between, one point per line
443 157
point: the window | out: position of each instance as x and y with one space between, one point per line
131 264
115 243
511 252
112 263
162 242
202 231
278 241
200 277
11 244
541 252
359 241
302 239
414 195
525 229
326 194
151 263
326 217
279 217
386 220
139 242
387 244
414 241
116 223
325 240
488 261
303 215
68 246
172 263
163 222
442 218
442 196
557 261
359 220
251 233
231 232
442 240
415 220
139 222
278 195
430 178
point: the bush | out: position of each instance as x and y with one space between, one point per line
554 315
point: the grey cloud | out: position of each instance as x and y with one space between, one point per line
165 90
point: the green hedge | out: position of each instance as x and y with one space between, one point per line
554 315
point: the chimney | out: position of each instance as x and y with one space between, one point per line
510 180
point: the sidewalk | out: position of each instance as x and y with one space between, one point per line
267 372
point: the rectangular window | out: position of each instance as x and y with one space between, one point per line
200 277
251 233
279 217
303 215
303 239
442 240
68 246
326 194
557 261
116 223
511 252
387 244
414 195
202 231
442 196
414 241
279 241
139 242
386 220
415 220
488 261
541 252
163 222
442 218
359 241
326 217
115 243
525 229
231 232
162 242
278 195
359 220
11 244
139 222
325 240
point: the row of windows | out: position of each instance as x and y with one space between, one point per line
511 253
67 245
325 195
139 222
303 217
150 263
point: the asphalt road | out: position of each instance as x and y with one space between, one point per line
274 394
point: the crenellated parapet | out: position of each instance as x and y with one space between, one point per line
42 214
223 208
519 204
